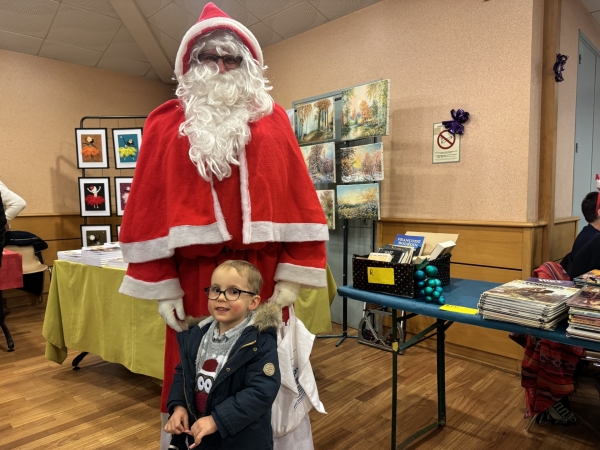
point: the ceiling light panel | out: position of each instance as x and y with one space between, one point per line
19 43
173 20
123 65
99 6
32 18
332 9
82 28
149 7
168 44
68 53
265 35
295 20
266 8
125 45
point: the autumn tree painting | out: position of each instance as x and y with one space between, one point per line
362 163
315 121
327 199
358 201
365 110
320 162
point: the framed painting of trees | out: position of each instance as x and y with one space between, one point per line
315 121
320 161
358 201
365 110
327 199
362 163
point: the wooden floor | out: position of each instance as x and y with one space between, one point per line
103 405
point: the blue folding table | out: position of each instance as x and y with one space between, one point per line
459 292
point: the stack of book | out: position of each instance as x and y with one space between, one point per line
590 278
584 314
536 305
117 263
99 255
69 255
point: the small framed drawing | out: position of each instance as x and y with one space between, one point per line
94 197
122 188
127 143
91 148
95 235
118 232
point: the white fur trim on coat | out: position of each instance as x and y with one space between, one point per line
161 290
164 247
287 232
308 277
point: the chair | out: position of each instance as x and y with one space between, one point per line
31 263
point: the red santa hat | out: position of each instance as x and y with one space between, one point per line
212 18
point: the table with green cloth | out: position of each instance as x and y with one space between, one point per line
85 312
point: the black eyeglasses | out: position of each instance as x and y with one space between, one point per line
231 62
231 294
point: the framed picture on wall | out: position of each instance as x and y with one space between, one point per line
94 197
91 148
122 188
118 232
127 143
95 235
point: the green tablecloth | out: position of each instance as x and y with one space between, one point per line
85 312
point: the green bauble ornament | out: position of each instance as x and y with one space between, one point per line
441 300
420 284
421 293
438 282
429 298
419 275
435 294
439 289
431 271
430 282
428 290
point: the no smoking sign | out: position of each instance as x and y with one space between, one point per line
446 146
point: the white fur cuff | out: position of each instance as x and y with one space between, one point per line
308 277
162 290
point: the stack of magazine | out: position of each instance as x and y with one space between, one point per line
69 255
117 263
590 278
536 305
99 255
584 314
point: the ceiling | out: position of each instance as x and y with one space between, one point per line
593 6
141 37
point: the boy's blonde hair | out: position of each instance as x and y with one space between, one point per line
245 269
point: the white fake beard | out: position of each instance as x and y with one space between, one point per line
218 108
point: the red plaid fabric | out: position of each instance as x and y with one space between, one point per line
11 272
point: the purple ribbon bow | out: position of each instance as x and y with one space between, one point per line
455 126
559 66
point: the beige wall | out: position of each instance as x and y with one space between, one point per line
574 17
439 55
41 103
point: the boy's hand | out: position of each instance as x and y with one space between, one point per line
178 422
201 428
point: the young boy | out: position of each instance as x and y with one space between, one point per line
228 376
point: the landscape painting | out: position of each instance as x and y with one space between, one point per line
358 201
362 163
320 162
314 121
327 199
365 111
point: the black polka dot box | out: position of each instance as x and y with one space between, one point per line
393 278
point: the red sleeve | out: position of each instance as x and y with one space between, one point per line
153 280
303 263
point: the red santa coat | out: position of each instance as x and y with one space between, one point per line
177 227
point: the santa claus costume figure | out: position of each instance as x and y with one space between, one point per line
220 177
